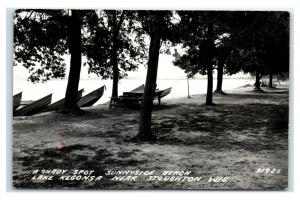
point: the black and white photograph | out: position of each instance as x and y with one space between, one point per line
144 99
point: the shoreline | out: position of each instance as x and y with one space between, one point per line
219 99
179 88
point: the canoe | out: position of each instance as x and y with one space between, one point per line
165 92
34 107
26 102
91 98
162 93
59 104
17 100
141 87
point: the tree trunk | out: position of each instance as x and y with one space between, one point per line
209 86
271 80
115 68
210 51
257 81
220 79
114 52
70 105
188 85
145 132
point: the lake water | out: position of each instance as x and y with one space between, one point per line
179 87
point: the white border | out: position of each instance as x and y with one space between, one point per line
143 4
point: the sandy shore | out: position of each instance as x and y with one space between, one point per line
246 131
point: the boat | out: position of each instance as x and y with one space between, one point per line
34 107
165 92
140 88
59 104
26 102
162 93
91 98
17 100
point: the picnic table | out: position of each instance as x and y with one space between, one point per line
138 95
135 97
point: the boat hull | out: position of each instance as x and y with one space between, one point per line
17 100
91 98
59 104
34 107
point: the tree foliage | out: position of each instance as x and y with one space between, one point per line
251 41
262 41
203 36
40 42
193 27
116 32
43 37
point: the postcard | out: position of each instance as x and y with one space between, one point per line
150 99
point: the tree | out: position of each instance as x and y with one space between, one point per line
262 42
278 45
70 104
157 24
40 42
42 38
200 32
116 46
223 52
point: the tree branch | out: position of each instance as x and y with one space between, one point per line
122 17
